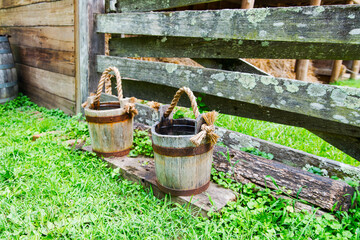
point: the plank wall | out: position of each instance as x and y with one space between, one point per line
43 43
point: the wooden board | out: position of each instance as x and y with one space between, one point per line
55 38
41 14
295 158
142 171
333 104
47 59
53 83
17 3
88 45
143 5
321 24
46 99
321 191
220 48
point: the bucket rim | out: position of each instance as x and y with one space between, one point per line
153 132
108 112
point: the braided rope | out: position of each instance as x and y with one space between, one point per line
108 89
177 98
104 77
207 130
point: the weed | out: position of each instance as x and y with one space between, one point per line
257 152
141 144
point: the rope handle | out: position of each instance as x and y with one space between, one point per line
177 98
105 77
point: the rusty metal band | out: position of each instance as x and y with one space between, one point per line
110 119
182 152
176 192
113 154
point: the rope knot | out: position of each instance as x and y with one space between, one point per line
207 130
130 109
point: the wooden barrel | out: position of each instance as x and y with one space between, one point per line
8 77
110 123
182 167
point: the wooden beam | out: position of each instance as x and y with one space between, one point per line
335 74
355 69
326 24
324 102
56 61
247 4
53 83
302 65
349 145
18 3
88 45
144 6
321 191
301 69
55 38
58 13
225 48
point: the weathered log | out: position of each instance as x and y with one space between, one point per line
321 191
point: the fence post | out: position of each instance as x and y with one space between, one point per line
302 65
88 45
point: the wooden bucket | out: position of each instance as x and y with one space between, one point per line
8 77
110 123
182 168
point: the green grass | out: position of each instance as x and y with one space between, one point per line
48 191
348 83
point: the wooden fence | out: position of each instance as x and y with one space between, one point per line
215 37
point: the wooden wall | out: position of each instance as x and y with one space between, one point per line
43 43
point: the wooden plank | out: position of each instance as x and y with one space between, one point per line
47 59
337 106
142 171
17 3
335 73
58 13
350 145
46 99
53 83
144 6
228 48
321 191
355 69
325 24
56 38
88 45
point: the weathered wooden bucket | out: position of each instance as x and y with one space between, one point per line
182 150
8 77
110 123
